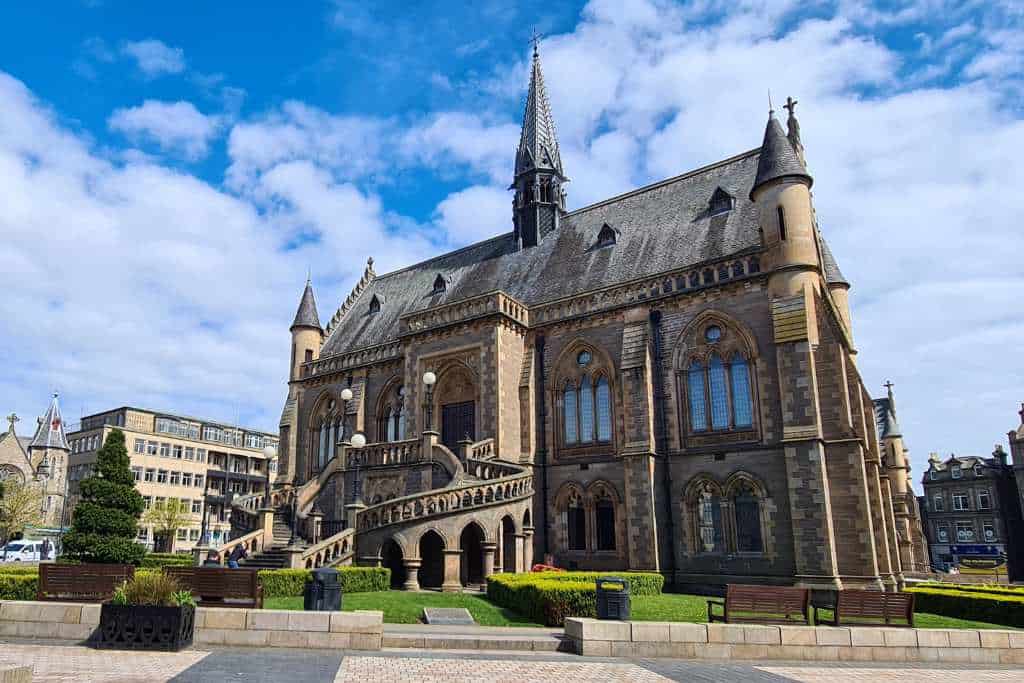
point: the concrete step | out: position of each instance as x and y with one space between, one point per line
423 637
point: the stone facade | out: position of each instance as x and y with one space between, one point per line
672 371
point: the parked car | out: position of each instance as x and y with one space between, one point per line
22 551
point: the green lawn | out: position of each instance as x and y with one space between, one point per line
400 607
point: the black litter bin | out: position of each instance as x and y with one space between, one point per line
323 591
612 598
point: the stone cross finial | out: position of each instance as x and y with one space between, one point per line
1021 413
13 419
535 39
790 106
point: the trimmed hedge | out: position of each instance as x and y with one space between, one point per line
19 569
550 597
1006 609
974 588
157 560
18 586
281 583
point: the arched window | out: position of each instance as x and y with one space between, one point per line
742 408
604 411
322 450
747 508
576 522
710 538
586 411
391 414
439 284
606 236
571 413
698 412
604 518
782 223
374 305
719 400
719 380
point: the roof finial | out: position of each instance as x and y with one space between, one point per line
790 106
1021 413
13 419
771 108
309 275
535 39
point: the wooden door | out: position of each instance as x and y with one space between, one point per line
458 422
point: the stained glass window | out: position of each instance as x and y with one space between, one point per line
698 413
748 523
741 399
719 398
571 427
604 411
323 445
586 411
709 523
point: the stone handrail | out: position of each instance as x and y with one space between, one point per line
491 469
492 303
446 500
386 453
330 551
483 450
352 359
253 542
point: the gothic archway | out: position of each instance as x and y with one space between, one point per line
431 573
471 542
393 559
508 544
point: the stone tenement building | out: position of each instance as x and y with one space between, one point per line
664 380
202 463
40 462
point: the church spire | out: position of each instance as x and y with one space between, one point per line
50 432
779 158
538 144
539 180
306 315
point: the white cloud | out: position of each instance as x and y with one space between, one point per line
175 126
154 57
474 214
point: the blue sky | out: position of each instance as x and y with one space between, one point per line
169 172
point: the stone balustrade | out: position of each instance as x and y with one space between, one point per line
592 637
354 359
446 501
233 627
483 450
385 453
492 303
334 550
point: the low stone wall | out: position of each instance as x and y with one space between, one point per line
214 626
818 643
17 674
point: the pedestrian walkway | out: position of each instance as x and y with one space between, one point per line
76 663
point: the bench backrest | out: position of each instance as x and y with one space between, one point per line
884 607
766 599
79 582
217 582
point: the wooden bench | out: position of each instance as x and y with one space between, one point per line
81 582
870 608
213 586
763 605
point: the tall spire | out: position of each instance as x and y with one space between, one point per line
307 316
538 145
50 432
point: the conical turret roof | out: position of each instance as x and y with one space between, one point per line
538 144
778 158
307 316
50 432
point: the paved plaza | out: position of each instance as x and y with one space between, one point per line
75 663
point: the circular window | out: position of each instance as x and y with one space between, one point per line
584 358
713 333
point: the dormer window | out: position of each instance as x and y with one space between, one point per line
956 472
606 237
374 305
440 284
977 470
721 202
933 475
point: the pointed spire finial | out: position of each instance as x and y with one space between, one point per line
13 419
309 275
535 39
1021 413
771 107
538 144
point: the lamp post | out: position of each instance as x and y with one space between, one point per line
356 443
270 453
429 380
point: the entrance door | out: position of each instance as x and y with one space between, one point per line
458 421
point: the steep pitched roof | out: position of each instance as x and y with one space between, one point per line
778 158
538 144
306 315
885 419
829 265
50 433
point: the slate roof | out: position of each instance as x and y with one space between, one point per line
885 419
829 265
50 433
306 315
778 158
660 227
965 462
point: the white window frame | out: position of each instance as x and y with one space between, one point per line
967 527
938 504
956 472
942 533
988 499
961 502
986 527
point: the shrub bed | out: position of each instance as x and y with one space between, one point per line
282 583
18 570
157 560
1004 608
18 586
550 597
973 588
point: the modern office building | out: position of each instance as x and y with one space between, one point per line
200 462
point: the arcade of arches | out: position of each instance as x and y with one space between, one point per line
449 558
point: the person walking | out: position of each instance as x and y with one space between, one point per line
237 553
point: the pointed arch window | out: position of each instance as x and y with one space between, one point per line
709 522
440 284
742 402
576 523
747 508
606 237
587 412
604 518
719 385
571 422
374 304
698 412
719 398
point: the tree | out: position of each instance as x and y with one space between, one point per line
19 507
106 518
166 518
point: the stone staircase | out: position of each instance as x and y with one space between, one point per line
275 556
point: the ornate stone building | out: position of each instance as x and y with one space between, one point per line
40 461
664 380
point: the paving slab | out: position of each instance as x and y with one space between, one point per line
448 616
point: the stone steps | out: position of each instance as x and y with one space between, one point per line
475 638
